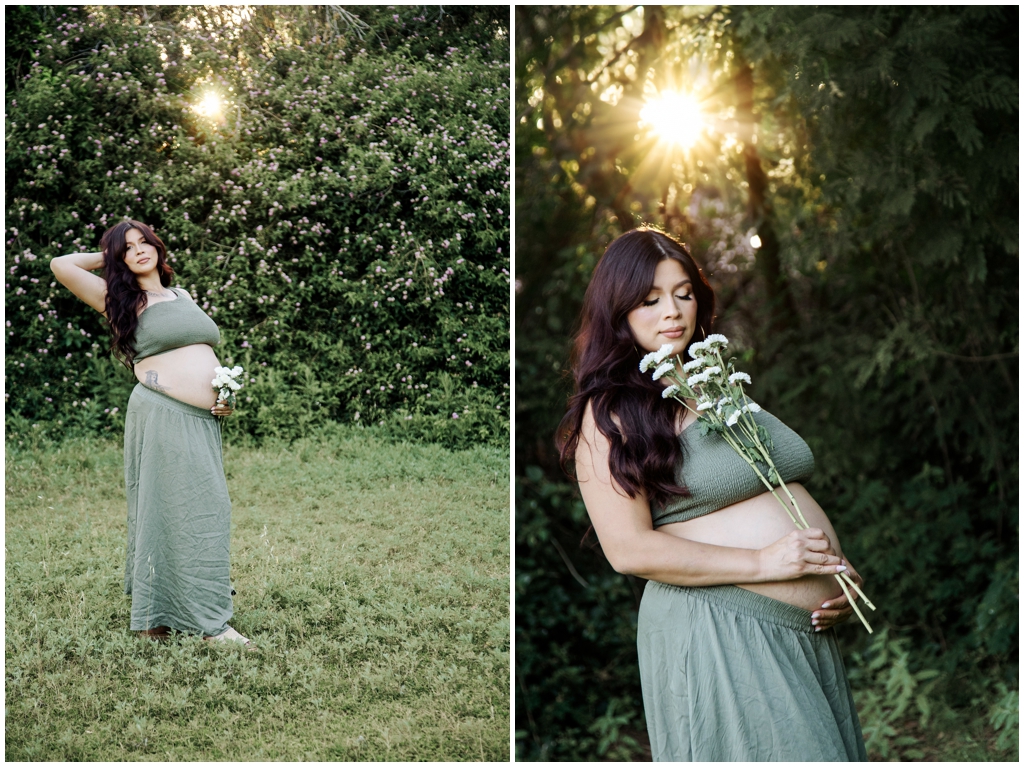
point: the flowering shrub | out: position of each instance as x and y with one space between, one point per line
344 219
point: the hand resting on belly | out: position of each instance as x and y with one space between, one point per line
757 523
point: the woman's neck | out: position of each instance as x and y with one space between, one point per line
150 283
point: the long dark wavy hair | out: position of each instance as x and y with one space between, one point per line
125 299
605 367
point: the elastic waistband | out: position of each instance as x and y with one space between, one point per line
142 393
748 603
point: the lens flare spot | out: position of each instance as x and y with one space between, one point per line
674 117
210 106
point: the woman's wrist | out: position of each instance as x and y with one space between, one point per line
759 566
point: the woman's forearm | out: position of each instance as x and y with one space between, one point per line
74 272
87 261
661 557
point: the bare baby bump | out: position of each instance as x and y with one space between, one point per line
758 522
185 374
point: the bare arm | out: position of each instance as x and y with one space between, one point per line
633 546
74 271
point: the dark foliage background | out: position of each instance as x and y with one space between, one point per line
345 220
874 151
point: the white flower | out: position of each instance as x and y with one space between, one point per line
224 382
731 421
739 377
648 360
716 338
655 358
713 370
692 365
697 378
662 370
697 348
706 405
670 391
752 407
663 352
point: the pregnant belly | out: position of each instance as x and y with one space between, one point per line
757 522
184 373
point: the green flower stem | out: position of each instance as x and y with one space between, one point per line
857 589
752 434
789 494
771 488
749 429
853 603
739 450
838 576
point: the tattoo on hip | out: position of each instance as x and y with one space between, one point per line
152 381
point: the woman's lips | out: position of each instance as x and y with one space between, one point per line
672 332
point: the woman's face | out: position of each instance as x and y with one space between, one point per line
139 255
668 315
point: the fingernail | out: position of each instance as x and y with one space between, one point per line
825 605
818 628
840 569
814 623
815 616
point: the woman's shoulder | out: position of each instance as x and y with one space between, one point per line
183 293
589 429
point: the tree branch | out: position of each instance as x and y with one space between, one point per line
562 60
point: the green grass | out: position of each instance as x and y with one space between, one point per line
372 576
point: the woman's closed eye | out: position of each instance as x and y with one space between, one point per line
653 301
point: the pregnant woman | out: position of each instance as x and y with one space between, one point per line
738 661
179 513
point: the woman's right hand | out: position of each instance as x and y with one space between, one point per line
800 553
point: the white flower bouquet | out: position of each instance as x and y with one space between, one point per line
723 408
225 384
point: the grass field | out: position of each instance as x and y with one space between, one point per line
372 576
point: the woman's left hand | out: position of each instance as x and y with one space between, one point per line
221 409
835 611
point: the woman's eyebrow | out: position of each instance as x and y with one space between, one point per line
655 288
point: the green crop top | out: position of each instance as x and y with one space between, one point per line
170 325
717 476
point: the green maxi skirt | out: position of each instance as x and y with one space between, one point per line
179 516
733 676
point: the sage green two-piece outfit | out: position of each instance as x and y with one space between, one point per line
727 674
179 513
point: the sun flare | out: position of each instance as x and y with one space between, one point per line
210 106
675 117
